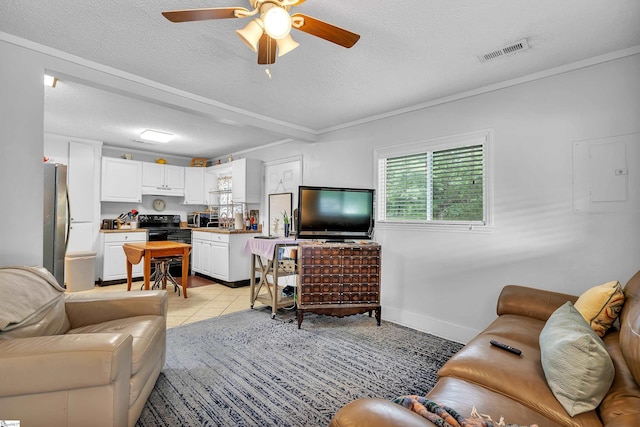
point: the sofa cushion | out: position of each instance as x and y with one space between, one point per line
601 305
34 295
463 396
51 320
578 368
147 333
519 377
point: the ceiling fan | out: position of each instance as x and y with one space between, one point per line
271 28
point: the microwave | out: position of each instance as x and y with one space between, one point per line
202 219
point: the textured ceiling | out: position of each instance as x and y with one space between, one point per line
411 52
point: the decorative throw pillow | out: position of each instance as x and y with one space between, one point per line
601 305
578 368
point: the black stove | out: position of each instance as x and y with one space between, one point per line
166 227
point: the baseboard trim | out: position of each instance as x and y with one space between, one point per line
428 324
236 284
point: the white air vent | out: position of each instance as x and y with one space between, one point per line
505 50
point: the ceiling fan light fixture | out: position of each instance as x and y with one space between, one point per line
251 34
286 45
277 23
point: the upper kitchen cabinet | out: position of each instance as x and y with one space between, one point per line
194 193
121 180
246 182
164 180
83 164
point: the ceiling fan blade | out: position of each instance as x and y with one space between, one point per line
266 50
326 31
188 15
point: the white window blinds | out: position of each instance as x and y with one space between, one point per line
446 184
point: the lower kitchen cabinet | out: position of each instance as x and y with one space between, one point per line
221 256
114 261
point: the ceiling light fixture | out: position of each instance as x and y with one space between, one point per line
277 22
251 34
156 136
268 33
50 80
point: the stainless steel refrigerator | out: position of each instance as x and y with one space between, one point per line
57 220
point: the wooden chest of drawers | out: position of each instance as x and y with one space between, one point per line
338 279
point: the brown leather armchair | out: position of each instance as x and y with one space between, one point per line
82 359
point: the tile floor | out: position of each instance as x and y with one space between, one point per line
206 299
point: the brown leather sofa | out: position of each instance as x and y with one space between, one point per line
82 359
501 384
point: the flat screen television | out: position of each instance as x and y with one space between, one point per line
337 214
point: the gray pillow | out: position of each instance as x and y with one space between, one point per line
578 368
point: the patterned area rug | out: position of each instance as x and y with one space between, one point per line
246 369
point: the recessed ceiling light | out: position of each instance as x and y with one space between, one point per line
156 136
50 80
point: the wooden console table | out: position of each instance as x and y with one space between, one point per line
338 279
136 251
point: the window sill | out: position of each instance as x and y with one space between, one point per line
446 227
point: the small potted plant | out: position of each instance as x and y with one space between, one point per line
285 221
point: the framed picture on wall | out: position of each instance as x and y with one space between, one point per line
280 207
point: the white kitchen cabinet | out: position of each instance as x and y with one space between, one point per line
83 163
159 179
221 255
196 252
220 261
83 179
83 237
211 185
194 189
246 180
121 180
114 261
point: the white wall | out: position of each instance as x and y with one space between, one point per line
444 283
447 283
21 151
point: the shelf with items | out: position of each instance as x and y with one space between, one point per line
268 266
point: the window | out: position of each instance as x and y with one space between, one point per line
439 182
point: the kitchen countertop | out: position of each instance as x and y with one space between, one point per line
205 229
125 230
225 231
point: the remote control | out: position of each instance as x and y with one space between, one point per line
506 347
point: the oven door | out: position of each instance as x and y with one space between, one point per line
157 235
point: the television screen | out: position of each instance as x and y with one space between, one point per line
335 213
